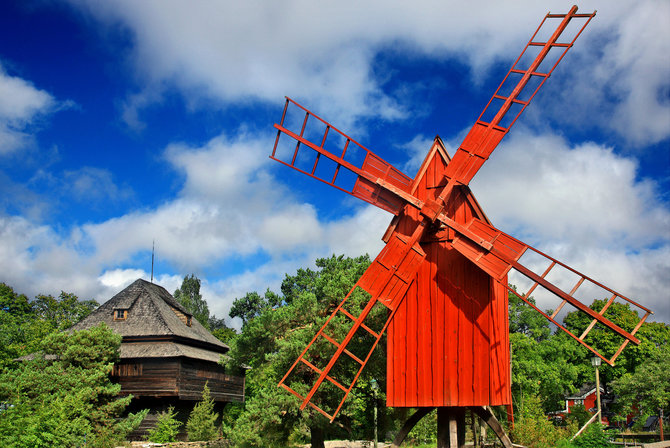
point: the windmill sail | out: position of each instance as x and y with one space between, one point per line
497 254
528 73
308 146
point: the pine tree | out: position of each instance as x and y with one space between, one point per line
167 427
201 424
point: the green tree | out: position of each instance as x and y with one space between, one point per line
18 332
272 339
62 312
189 296
652 335
525 320
11 302
545 365
64 397
225 334
648 386
220 330
167 427
25 324
579 415
201 424
252 305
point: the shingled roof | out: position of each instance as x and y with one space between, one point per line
155 325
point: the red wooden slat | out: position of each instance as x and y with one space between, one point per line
412 348
365 187
481 142
425 373
439 329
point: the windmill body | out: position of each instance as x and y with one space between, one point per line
448 344
441 280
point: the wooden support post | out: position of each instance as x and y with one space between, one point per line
484 412
450 427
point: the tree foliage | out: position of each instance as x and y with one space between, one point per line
220 330
64 311
648 387
25 324
253 304
276 330
594 436
532 428
64 396
201 424
547 364
189 296
167 427
543 363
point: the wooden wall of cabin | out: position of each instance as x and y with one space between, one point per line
195 373
177 377
148 377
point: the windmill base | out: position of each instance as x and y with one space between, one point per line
451 426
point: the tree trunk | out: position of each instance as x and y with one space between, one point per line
316 436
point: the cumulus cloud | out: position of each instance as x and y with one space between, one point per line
585 206
325 54
21 105
548 189
231 206
93 184
633 71
416 150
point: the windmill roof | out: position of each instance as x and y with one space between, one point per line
153 327
438 149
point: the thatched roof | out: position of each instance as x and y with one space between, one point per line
156 325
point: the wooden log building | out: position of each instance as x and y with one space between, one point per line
166 355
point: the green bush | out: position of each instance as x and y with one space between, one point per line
533 430
579 414
167 428
593 437
201 425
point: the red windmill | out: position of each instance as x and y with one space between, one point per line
443 274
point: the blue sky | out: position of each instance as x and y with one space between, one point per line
124 123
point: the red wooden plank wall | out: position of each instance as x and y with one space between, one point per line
448 344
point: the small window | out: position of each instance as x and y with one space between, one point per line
188 321
120 314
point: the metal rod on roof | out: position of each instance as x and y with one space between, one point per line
152 260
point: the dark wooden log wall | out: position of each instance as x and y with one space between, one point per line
177 377
194 374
